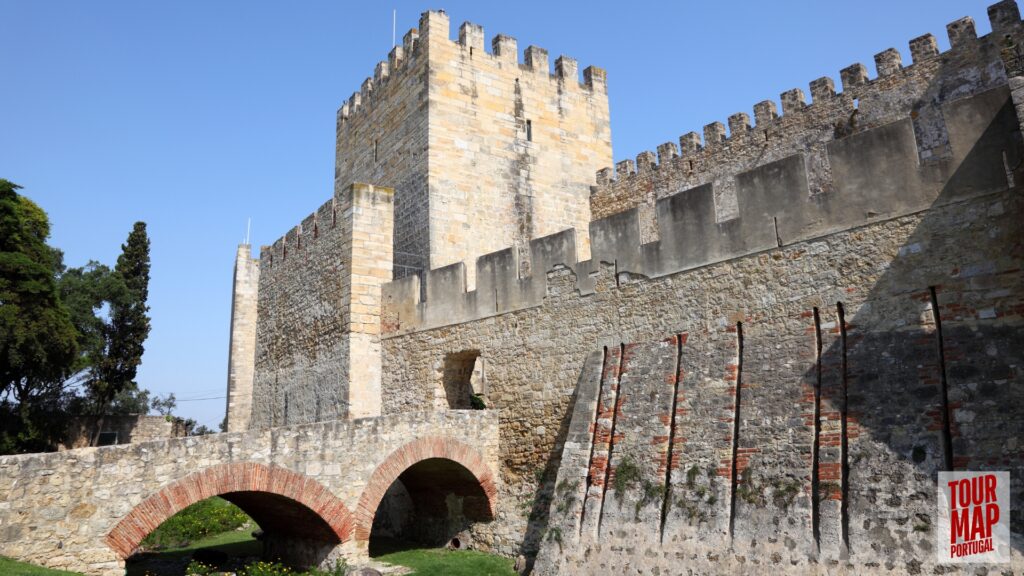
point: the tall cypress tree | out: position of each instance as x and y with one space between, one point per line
129 322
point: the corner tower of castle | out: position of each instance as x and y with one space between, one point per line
484 151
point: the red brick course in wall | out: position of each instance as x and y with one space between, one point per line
224 479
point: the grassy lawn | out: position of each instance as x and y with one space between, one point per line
10 567
236 542
424 562
440 562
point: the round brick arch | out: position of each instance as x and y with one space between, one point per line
419 450
276 484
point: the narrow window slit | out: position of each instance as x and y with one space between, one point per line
611 433
844 448
816 445
735 429
947 432
666 494
593 439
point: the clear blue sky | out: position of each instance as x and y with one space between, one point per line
195 115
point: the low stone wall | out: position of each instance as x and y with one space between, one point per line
130 429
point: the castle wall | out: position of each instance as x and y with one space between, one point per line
241 354
810 363
913 93
513 147
318 312
880 273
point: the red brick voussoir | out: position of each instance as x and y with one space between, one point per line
408 455
126 536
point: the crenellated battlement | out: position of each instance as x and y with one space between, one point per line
504 51
935 132
916 91
304 235
491 124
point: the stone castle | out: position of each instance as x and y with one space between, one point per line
749 351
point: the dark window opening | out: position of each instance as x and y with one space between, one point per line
107 439
375 151
463 380
529 131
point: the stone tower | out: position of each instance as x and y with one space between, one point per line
243 340
483 151
447 153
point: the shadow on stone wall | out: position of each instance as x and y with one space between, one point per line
853 397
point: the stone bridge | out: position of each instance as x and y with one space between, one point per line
314 489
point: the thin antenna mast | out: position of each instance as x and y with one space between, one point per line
394 15
248 224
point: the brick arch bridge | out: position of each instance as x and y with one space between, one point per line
314 489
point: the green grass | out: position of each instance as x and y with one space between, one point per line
424 562
237 543
440 562
234 542
10 567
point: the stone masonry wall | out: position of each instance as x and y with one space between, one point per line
318 312
881 275
511 145
382 139
131 429
60 509
242 349
817 293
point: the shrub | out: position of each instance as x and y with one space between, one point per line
211 516
196 568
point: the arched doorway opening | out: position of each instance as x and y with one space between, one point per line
427 493
432 503
302 523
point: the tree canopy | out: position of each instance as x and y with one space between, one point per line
71 339
38 341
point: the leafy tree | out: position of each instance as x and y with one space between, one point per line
126 402
38 341
164 406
